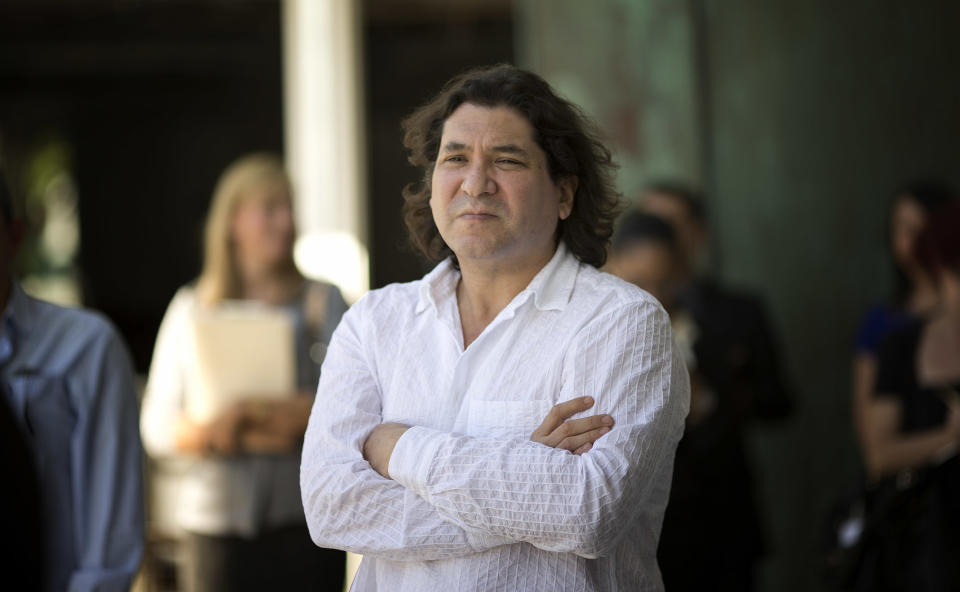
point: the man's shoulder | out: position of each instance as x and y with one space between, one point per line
389 301
69 318
609 291
69 328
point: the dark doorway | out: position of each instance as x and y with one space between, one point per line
154 99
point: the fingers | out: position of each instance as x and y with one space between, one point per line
575 427
575 443
558 414
573 433
572 429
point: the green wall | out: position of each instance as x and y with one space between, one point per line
630 66
799 118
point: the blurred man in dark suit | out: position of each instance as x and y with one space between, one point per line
712 521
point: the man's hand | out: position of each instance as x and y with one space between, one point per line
378 448
575 435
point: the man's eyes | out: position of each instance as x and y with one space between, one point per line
460 159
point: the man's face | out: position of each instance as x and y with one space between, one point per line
492 196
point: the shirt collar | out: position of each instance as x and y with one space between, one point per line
551 287
438 285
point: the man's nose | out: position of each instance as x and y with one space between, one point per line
477 181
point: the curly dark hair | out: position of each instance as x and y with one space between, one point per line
561 129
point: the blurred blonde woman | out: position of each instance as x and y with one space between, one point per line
240 499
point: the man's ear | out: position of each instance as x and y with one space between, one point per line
568 188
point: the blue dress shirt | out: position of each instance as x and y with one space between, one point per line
69 383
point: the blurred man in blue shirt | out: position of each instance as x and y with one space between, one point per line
66 376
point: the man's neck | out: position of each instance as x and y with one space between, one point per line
487 288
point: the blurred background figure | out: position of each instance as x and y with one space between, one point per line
914 294
66 377
743 355
240 498
714 519
644 252
683 208
23 543
911 432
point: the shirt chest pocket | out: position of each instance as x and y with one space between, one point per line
506 419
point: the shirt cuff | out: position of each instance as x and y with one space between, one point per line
412 458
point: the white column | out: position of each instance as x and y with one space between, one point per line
323 120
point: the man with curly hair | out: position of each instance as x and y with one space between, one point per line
448 442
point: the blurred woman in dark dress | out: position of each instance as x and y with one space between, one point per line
912 431
914 293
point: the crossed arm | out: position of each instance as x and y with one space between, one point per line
454 495
556 431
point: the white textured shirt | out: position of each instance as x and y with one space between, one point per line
473 503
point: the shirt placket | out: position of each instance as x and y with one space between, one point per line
465 372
